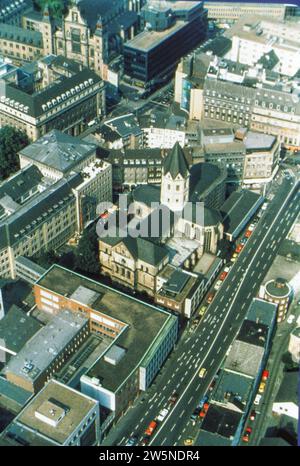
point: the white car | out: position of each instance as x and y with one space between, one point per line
291 319
162 414
218 285
257 399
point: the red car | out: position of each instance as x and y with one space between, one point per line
223 275
239 248
265 375
248 233
247 434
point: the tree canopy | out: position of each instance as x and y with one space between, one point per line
56 7
12 141
86 259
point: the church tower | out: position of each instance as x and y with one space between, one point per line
175 180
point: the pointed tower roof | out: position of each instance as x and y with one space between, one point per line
175 163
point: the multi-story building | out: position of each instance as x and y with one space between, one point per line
11 13
20 45
57 416
250 158
121 132
232 11
48 350
279 292
67 104
39 213
172 30
140 336
253 37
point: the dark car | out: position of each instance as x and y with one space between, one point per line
195 413
174 397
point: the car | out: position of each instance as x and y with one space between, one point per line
145 441
202 372
173 398
252 415
188 441
265 375
247 434
223 274
151 428
211 387
244 241
233 259
239 248
195 413
235 255
218 285
210 297
202 310
162 415
257 399
262 387
290 319
132 441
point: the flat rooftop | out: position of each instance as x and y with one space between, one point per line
38 353
244 358
232 389
143 322
147 40
16 328
262 311
77 405
221 421
253 333
258 141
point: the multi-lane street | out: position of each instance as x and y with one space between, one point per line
208 344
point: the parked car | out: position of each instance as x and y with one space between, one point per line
202 310
252 415
239 248
210 297
218 285
262 387
290 319
257 399
265 375
247 434
188 441
195 413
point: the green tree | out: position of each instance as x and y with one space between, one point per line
56 7
46 259
86 258
12 140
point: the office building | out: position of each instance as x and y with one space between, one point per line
140 336
232 11
254 37
66 104
172 29
57 416
48 350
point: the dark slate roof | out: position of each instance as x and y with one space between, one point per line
203 178
35 101
175 163
21 183
221 421
219 46
202 216
253 333
91 10
268 60
20 35
16 328
146 194
59 150
139 248
237 207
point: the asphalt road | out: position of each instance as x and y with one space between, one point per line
208 344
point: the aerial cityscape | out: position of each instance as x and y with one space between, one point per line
149 224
